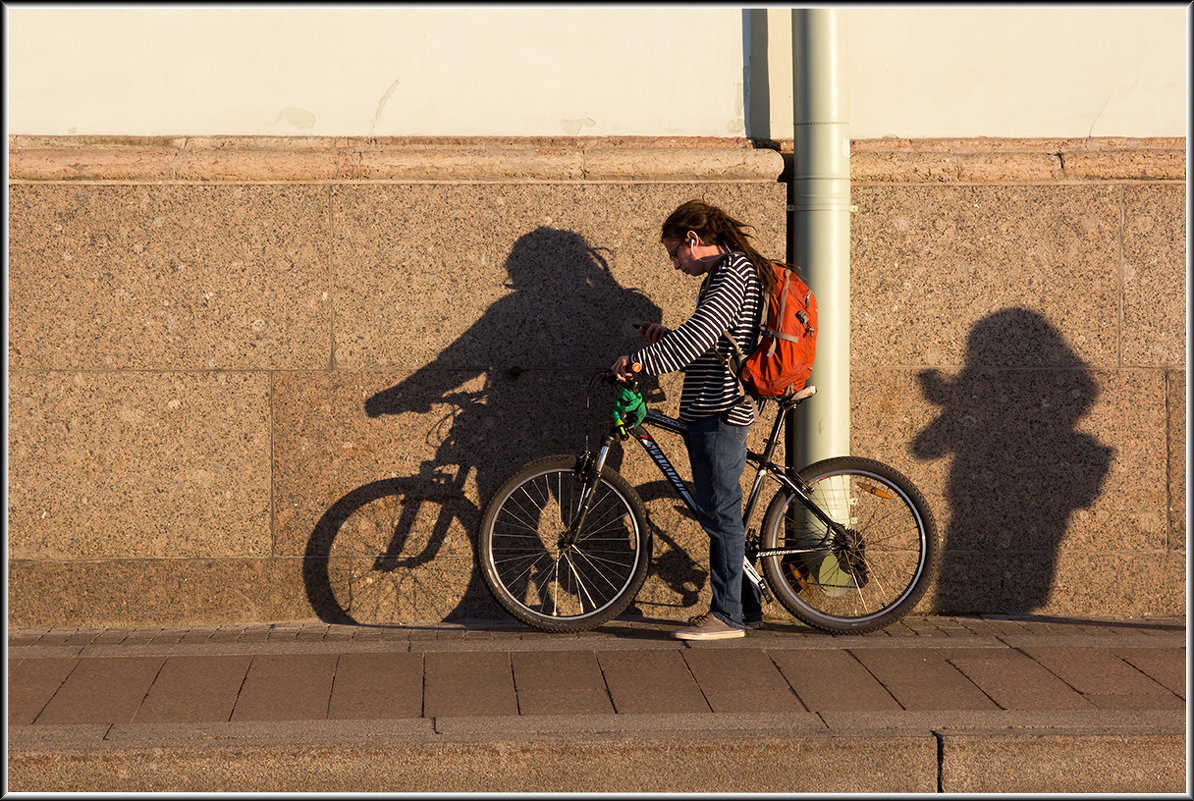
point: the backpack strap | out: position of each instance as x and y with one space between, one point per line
734 363
737 358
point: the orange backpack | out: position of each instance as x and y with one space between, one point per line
783 360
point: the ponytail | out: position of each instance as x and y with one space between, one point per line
715 227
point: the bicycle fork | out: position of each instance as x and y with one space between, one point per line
588 469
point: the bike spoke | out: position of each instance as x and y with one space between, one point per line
872 570
538 571
595 564
579 583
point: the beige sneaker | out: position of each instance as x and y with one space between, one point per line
707 627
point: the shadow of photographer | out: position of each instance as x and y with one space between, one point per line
1020 468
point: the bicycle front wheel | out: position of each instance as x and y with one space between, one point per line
869 574
543 576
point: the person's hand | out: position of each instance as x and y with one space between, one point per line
623 369
652 332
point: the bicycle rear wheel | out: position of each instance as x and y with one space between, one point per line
538 578
866 577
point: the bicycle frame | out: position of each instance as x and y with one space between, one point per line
762 463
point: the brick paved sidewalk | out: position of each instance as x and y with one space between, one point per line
321 671
1110 693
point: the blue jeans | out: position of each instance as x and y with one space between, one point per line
717 453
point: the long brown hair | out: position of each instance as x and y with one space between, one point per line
715 227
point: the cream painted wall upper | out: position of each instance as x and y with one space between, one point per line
1018 71
542 71
374 71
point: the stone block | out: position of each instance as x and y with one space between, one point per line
893 166
462 163
1175 388
536 276
881 763
1045 763
671 164
258 159
1132 583
1068 582
929 263
1027 470
131 464
1020 442
1155 301
168 277
57 162
144 592
1124 164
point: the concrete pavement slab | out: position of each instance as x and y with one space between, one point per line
832 679
1167 667
1093 670
1013 680
468 683
648 682
102 690
741 681
286 687
32 683
560 683
564 702
557 670
920 679
377 686
190 689
1129 701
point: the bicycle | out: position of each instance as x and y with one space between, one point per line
846 545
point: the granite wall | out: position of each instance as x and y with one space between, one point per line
275 379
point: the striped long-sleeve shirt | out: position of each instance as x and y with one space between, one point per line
730 298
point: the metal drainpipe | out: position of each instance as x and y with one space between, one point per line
820 226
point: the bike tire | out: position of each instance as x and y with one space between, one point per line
574 588
881 570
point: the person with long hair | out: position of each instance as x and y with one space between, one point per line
704 241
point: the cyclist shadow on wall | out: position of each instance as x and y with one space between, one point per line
1020 469
513 384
